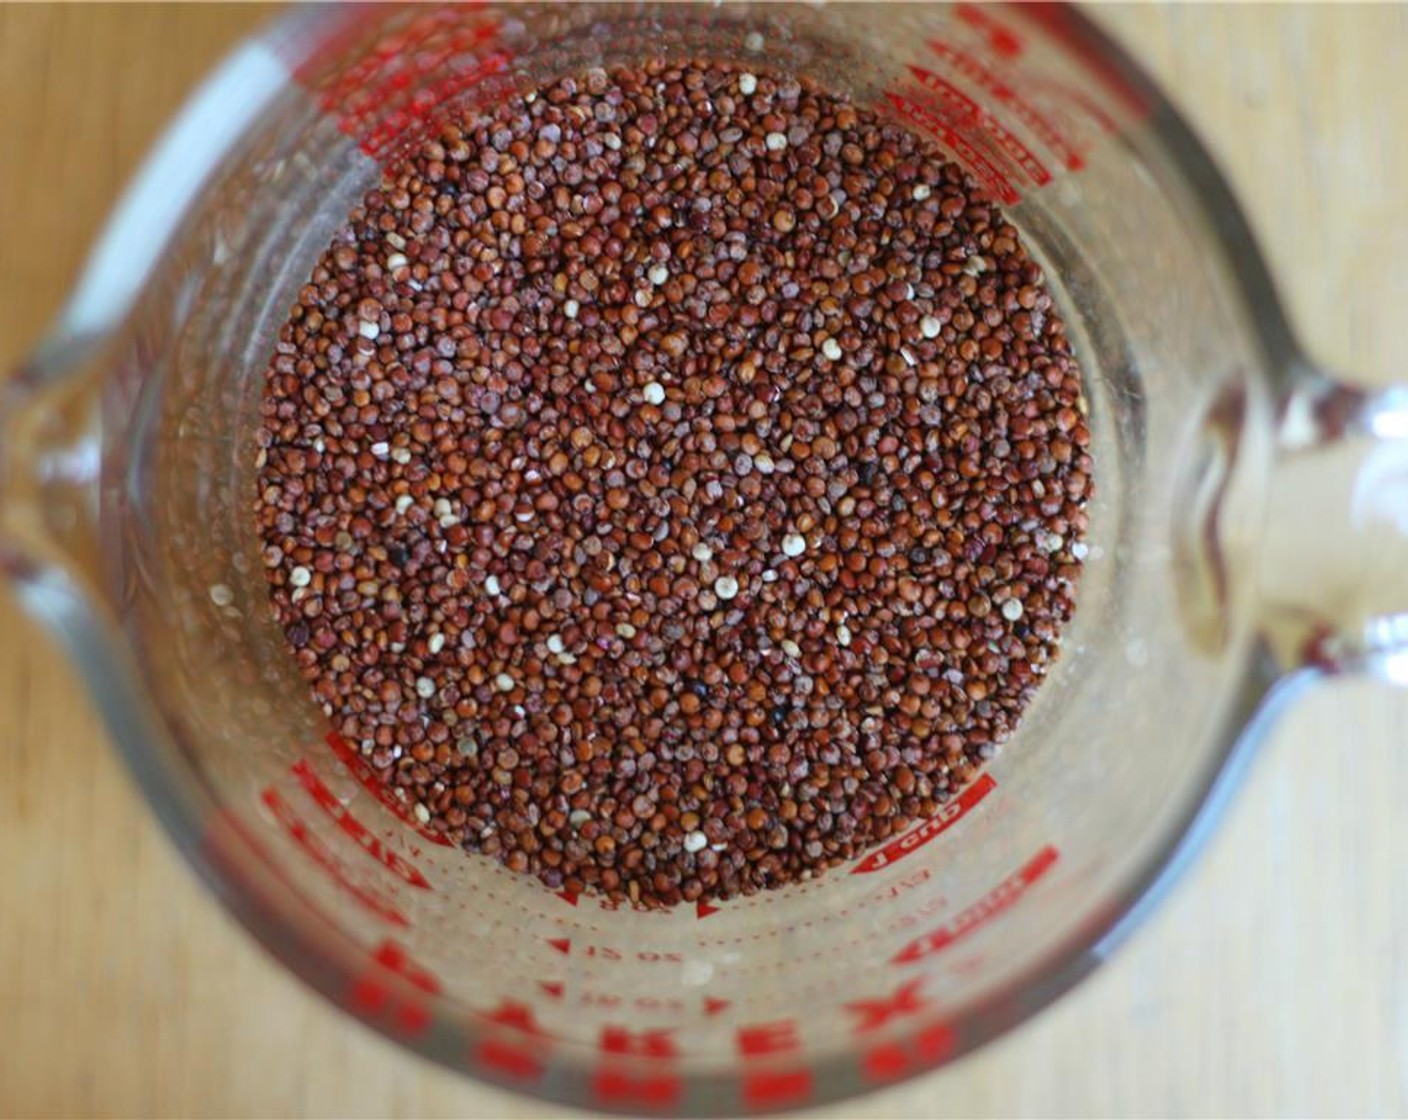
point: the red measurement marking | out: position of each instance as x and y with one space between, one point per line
642 1004
569 897
1042 127
1002 39
713 1006
658 1043
513 1059
777 1090
703 910
916 878
511 1013
400 79
872 1014
552 987
935 826
617 1087
394 125
366 840
606 953
372 994
367 778
562 944
969 113
322 855
758 1040
977 164
1000 898
890 1060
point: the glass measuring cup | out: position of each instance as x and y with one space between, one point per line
230 752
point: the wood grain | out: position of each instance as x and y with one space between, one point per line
1274 981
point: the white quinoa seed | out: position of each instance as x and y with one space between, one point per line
441 508
930 327
401 455
794 544
654 393
395 261
503 682
831 350
436 643
555 643
578 817
367 329
1012 610
658 274
642 298
753 41
221 595
422 814
404 502
763 464
300 577
702 552
612 141
747 84
570 308
381 450
775 141
790 648
695 842
1080 550
625 630
921 192
725 587
425 688
491 585
843 634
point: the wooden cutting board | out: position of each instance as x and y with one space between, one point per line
1275 980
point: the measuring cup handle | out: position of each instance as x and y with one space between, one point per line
1333 568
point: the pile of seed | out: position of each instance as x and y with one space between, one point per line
674 482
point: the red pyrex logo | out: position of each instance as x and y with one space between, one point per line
1002 896
917 837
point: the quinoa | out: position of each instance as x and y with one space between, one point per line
673 480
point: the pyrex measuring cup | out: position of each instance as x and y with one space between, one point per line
126 491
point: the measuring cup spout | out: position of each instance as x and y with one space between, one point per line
50 458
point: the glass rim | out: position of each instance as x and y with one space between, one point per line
248 886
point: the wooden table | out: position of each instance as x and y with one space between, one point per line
1275 980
